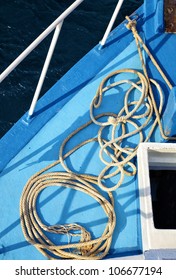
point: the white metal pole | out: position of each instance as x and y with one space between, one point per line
38 40
45 68
111 23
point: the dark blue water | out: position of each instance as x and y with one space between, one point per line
21 21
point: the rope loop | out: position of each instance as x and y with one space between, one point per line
35 231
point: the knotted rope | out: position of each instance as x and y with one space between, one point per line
120 157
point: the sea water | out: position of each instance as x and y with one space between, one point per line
21 21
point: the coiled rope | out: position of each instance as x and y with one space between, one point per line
120 157
35 231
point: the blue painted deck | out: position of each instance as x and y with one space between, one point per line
27 148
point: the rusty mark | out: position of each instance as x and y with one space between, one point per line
170 15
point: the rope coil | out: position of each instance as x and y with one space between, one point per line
35 231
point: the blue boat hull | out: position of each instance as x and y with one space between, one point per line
32 145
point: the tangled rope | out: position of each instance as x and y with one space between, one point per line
120 157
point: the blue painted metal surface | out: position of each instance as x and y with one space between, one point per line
169 115
162 46
31 146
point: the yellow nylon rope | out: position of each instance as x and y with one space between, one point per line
120 157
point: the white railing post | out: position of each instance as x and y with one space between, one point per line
45 68
38 40
111 23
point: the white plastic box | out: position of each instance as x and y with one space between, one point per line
154 156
